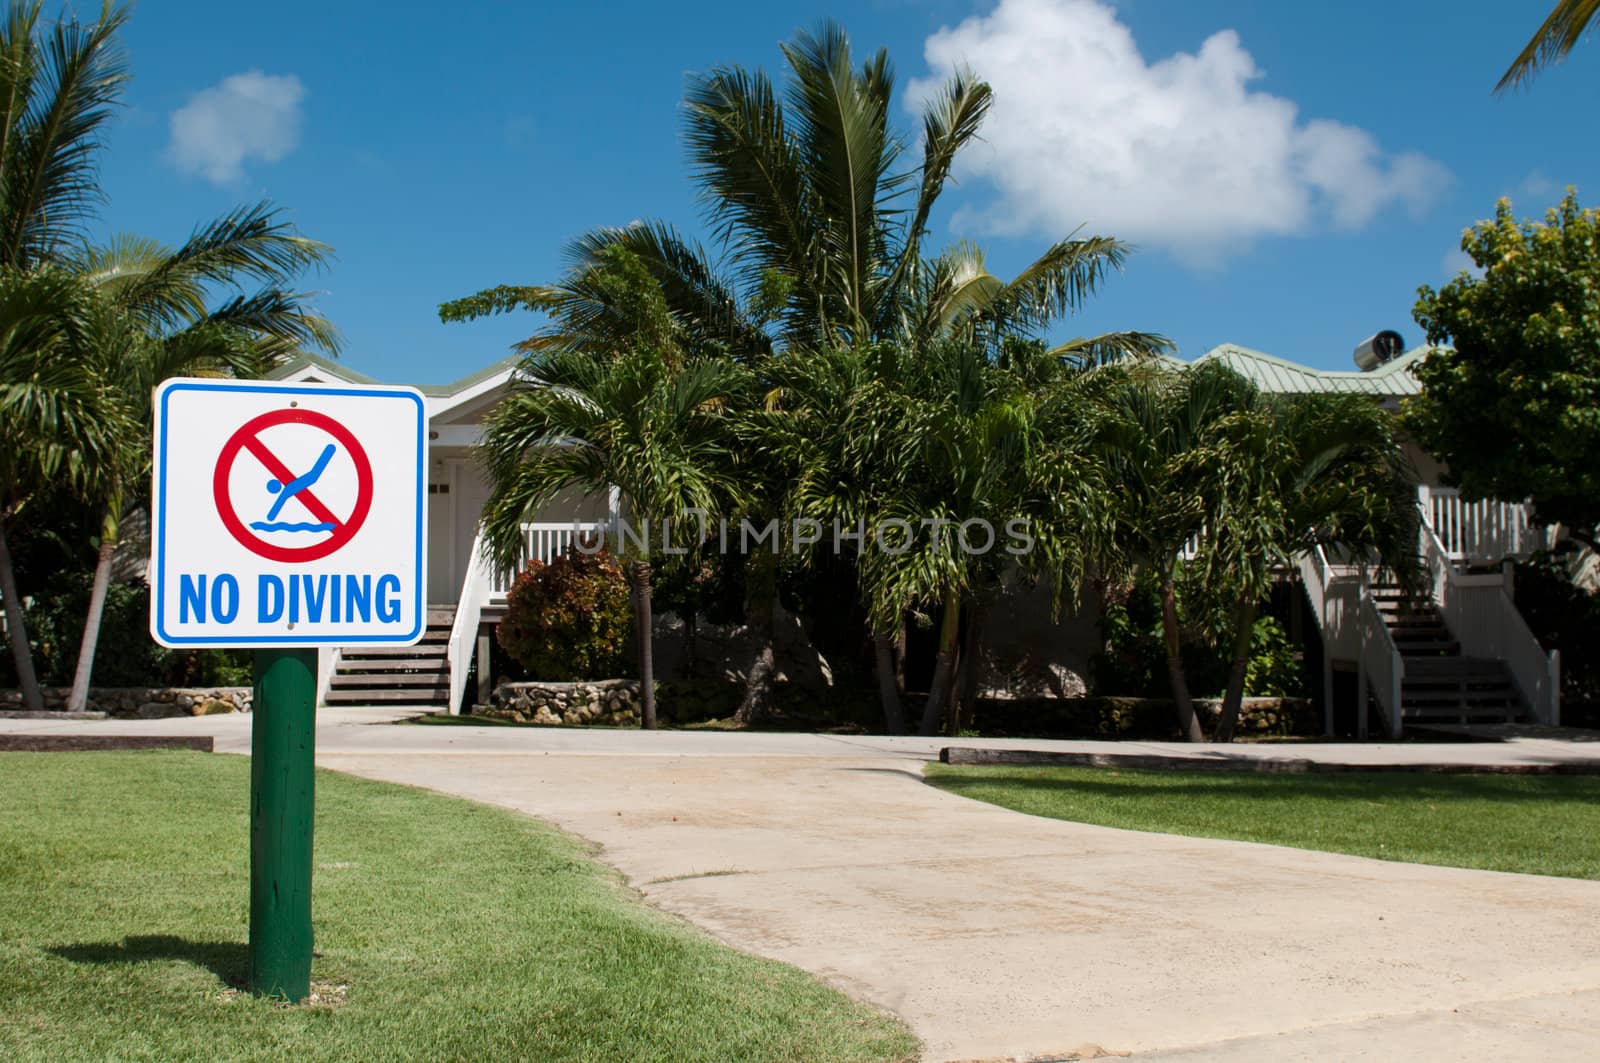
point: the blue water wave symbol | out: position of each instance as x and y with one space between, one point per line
267 525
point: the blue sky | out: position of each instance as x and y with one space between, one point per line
1290 172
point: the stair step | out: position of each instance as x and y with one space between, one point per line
345 680
1461 716
412 697
392 664
378 653
1453 704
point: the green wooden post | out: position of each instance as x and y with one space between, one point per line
282 734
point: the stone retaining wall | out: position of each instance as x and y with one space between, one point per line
145 703
600 703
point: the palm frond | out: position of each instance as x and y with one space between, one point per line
1058 282
248 245
49 162
950 123
1089 351
1556 36
695 295
848 151
751 173
501 299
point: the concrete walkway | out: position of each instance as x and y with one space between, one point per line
1001 935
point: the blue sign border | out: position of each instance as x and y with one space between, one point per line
159 477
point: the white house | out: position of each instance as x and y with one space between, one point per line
1467 655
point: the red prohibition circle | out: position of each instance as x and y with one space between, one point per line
247 438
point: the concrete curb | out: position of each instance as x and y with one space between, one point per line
24 714
37 743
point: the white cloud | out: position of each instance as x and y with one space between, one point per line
1537 186
246 116
1179 153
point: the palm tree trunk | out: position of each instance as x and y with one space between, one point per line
16 629
894 714
762 604
941 690
1233 698
967 673
902 640
1180 686
640 573
78 699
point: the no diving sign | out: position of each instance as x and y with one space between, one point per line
288 514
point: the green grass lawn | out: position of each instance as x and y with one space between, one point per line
1539 824
455 931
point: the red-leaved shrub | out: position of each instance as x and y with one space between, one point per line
569 619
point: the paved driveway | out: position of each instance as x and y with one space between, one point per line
997 934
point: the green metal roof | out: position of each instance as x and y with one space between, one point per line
341 372
1391 380
332 368
471 378
1270 373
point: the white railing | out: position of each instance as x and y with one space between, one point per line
1315 577
1334 591
475 593
1481 532
1479 611
545 541
327 665
1381 666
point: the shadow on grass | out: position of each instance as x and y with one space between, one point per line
228 960
1349 786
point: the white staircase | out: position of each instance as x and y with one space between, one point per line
396 675
1460 653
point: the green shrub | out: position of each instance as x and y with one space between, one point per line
1565 617
569 619
1274 670
125 654
1133 662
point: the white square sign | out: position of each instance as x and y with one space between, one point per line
288 514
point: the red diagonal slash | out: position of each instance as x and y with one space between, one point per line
277 468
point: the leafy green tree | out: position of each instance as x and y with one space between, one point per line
649 419
58 84
1511 406
152 313
1555 37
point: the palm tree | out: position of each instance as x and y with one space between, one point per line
920 447
57 87
1555 37
839 444
150 318
59 419
650 419
820 222
1301 471
1164 438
